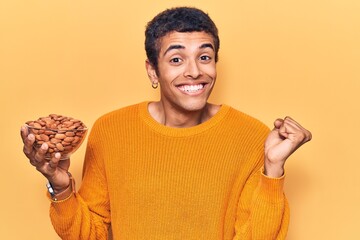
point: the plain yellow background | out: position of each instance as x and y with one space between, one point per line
277 58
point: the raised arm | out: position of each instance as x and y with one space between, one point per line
263 211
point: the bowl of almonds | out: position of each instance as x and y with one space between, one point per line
61 133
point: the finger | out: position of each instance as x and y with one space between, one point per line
40 154
289 125
291 121
288 120
64 164
297 128
28 144
298 135
278 122
54 161
28 140
295 124
283 130
24 132
279 125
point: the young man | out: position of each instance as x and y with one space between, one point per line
179 168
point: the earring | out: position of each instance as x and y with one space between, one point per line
154 85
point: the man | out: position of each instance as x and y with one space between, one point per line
178 168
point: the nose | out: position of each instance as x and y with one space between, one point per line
192 70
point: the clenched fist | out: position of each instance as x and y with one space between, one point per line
286 136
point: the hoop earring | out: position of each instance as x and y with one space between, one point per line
155 85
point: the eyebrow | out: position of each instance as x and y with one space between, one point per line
178 46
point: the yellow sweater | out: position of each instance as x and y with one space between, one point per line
149 181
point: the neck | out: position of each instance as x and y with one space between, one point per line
172 117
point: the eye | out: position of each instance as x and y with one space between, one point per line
175 60
205 58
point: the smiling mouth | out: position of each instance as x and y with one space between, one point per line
191 88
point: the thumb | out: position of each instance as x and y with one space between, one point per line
278 122
279 126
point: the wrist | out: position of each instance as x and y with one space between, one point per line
273 170
61 194
58 190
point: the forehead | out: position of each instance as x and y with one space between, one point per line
186 39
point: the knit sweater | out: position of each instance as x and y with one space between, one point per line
144 180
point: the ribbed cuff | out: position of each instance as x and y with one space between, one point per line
66 207
271 189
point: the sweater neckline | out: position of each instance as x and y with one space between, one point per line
180 132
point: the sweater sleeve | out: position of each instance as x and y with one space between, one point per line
86 214
263 211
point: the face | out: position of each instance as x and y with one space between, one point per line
186 70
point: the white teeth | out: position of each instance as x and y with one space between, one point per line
191 88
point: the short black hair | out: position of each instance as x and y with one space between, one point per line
179 19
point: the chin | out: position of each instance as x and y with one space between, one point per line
194 106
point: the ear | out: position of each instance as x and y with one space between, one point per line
151 72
